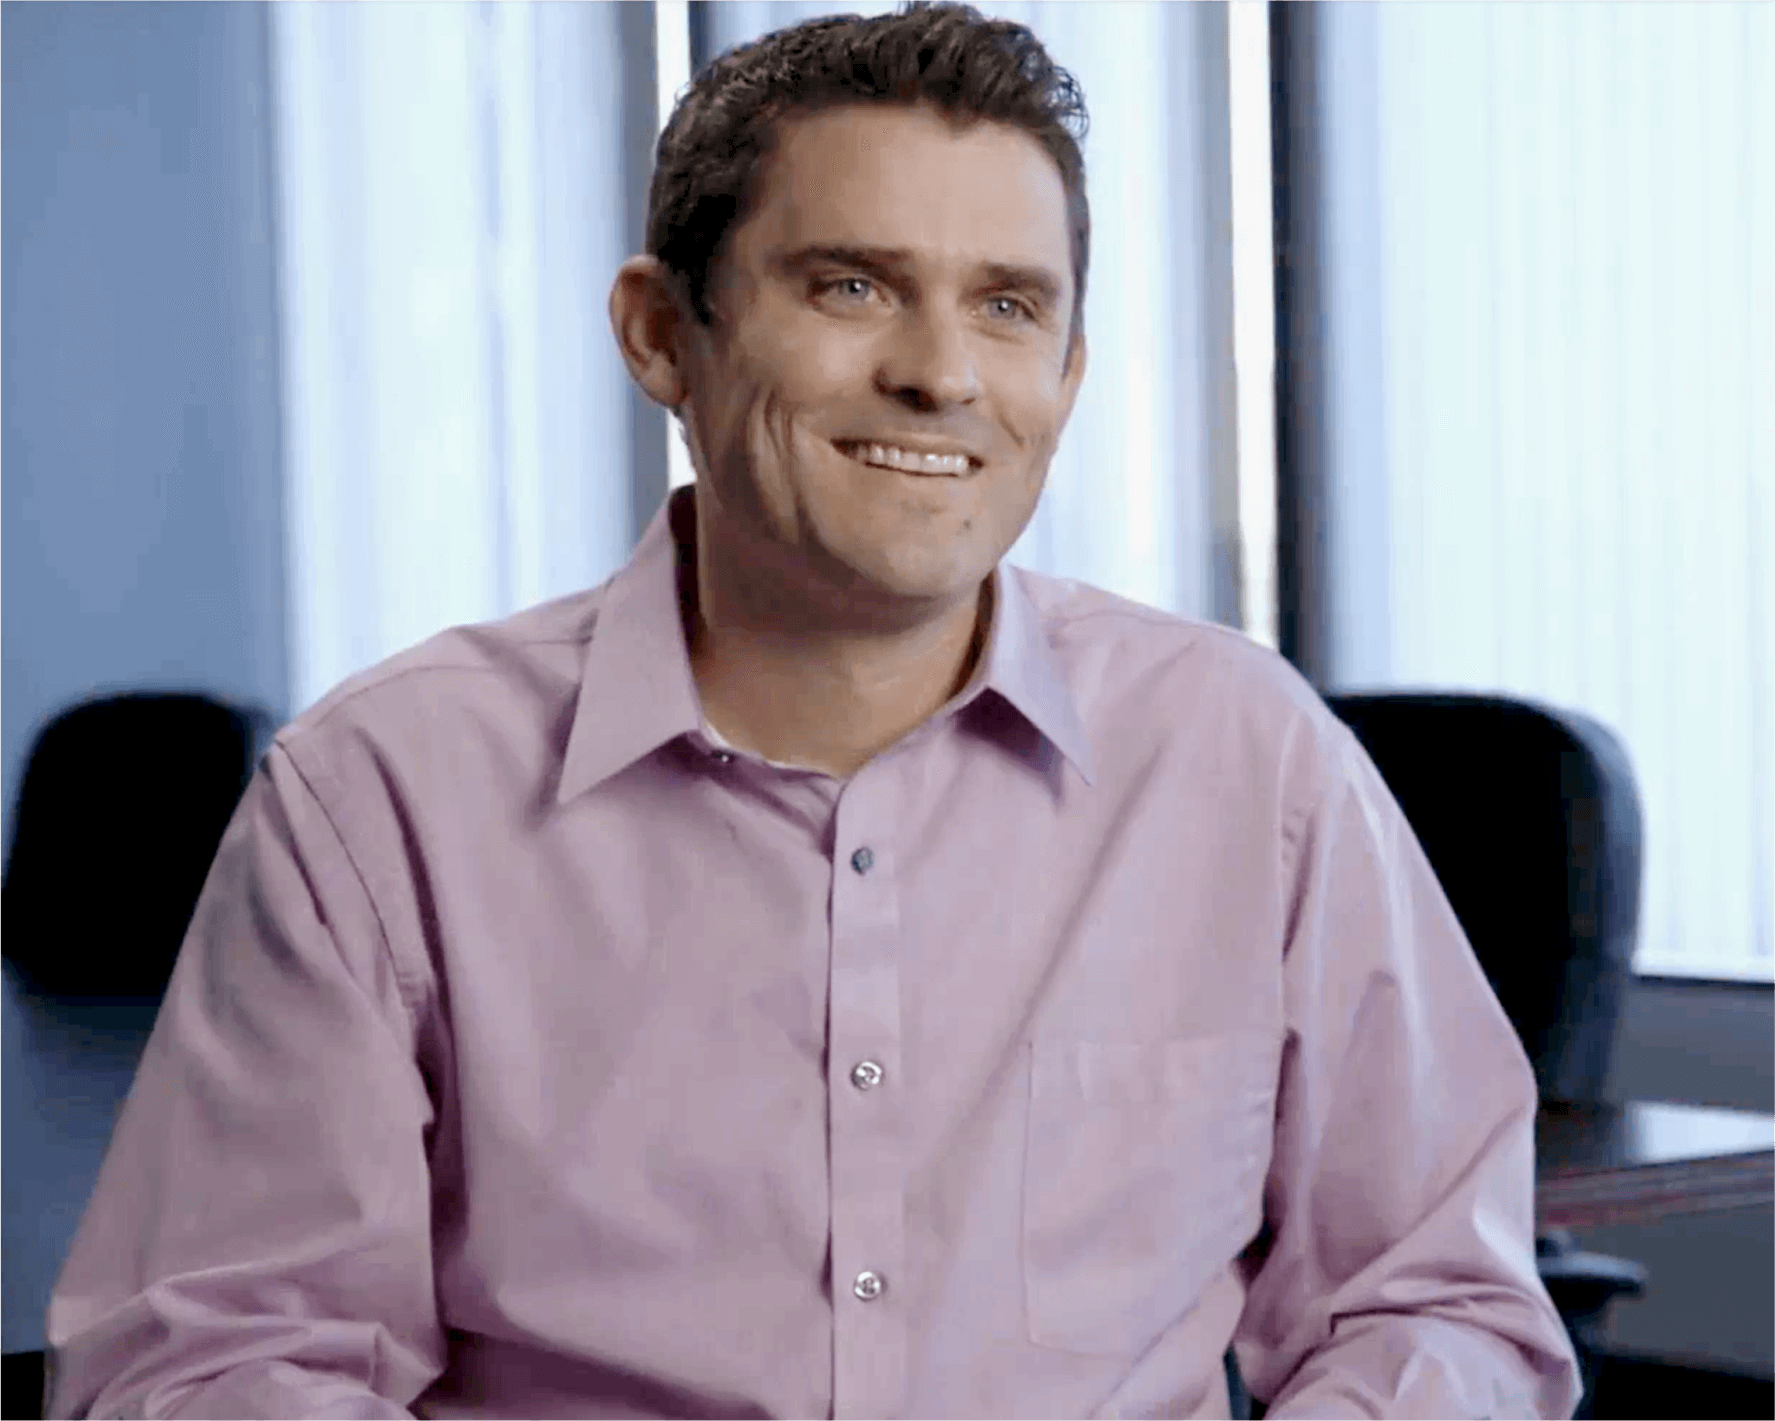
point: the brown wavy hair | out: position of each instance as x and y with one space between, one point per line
711 154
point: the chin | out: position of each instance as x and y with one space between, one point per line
920 583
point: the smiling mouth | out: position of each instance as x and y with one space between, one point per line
906 461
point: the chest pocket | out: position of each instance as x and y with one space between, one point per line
1143 1177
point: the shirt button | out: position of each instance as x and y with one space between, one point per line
862 860
865 1075
868 1285
722 757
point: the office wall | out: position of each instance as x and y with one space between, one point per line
143 531
142 503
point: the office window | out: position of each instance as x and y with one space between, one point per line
457 185
1550 425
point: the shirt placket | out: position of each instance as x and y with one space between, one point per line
865 1091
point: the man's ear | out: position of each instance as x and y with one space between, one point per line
648 325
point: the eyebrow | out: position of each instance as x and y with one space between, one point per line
892 264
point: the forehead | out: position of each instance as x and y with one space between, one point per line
903 177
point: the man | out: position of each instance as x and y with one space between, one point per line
823 971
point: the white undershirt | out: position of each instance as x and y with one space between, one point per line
722 742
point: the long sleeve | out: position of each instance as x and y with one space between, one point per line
258 1242
1396 1275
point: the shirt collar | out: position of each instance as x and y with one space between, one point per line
1022 666
637 691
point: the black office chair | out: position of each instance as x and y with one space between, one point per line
1531 818
123 802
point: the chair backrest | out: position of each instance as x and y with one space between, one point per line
21 1386
123 802
1531 819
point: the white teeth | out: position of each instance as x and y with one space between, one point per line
905 460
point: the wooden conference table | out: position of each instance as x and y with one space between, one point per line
1613 1164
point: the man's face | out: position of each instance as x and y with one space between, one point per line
899 284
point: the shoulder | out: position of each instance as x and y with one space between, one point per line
503 679
1144 677
1113 647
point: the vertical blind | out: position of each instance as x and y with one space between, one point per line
457 185
1576 228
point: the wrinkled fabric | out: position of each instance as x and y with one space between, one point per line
511 1063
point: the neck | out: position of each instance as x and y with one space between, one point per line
827 698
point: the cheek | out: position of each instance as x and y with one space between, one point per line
793 388
748 401
785 377
771 442
1034 413
798 356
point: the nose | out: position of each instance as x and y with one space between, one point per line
929 363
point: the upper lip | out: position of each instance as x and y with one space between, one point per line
913 445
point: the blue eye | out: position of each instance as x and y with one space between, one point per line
837 283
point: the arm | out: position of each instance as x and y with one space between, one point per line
258 1242
1396 1274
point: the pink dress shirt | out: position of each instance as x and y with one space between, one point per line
531 1054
